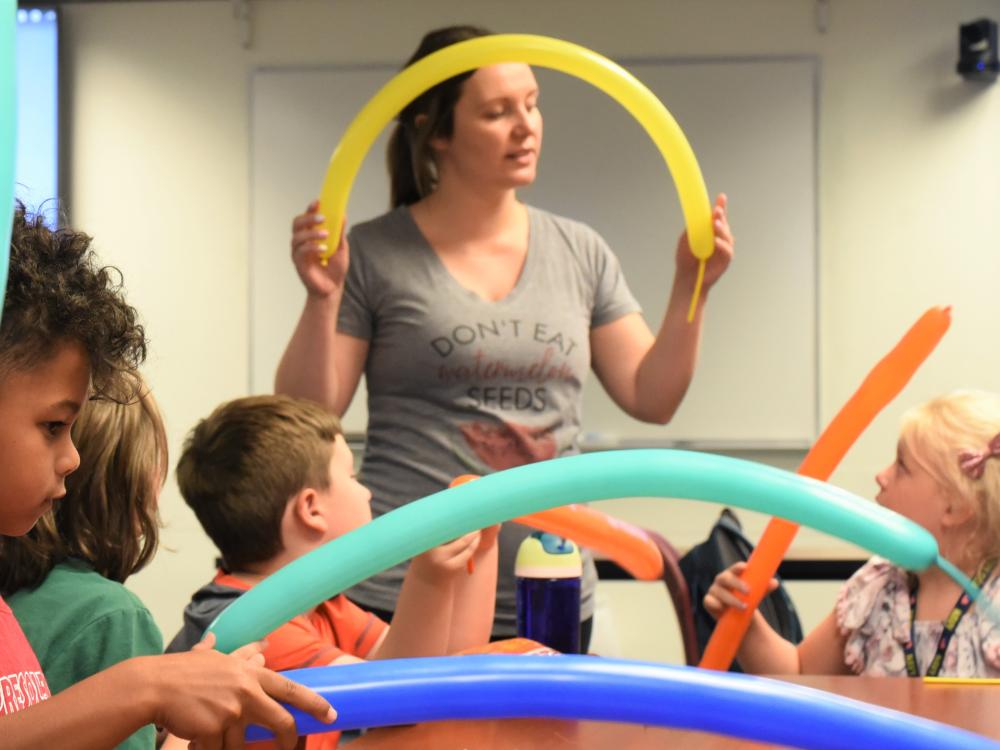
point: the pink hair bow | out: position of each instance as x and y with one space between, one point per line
974 462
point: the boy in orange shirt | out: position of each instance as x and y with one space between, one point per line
271 478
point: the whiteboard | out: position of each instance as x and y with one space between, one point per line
753 126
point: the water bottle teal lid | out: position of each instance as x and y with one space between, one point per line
544 555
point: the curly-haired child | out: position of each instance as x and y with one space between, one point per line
67 334
63 579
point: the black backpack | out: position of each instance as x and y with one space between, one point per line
726 545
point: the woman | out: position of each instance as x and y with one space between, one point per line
476 318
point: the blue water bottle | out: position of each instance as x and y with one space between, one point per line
548 570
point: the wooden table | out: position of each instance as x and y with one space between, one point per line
975 708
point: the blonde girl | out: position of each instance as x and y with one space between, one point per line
888 621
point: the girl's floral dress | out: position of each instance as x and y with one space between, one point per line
873 611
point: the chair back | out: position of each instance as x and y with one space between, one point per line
677 587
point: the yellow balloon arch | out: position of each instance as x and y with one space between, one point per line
544 52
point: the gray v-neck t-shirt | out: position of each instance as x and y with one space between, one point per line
458 384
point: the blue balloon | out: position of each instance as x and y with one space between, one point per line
446 515
406 691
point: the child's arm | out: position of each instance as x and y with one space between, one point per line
203 696
476 596
822 651
421 625
763 650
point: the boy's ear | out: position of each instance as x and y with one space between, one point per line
307 510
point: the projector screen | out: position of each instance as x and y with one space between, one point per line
37 166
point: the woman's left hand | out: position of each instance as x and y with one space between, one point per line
718 262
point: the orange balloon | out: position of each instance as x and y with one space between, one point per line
626 544
882 385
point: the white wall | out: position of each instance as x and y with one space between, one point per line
909 184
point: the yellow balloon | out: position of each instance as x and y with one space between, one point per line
544 52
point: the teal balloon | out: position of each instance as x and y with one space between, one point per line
446 515
8 134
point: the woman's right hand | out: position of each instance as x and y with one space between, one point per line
309 242
721 595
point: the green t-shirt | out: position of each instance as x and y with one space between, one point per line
80 623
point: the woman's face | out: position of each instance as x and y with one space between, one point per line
498 129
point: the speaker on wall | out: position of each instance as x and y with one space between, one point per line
977 50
